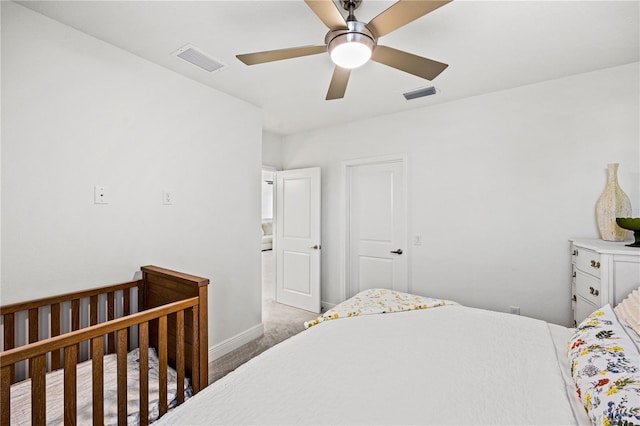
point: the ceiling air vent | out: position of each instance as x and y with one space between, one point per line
198 58
427 91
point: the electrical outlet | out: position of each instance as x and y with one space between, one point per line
514 310
100 195
417 240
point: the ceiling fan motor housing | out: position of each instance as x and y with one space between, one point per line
356 32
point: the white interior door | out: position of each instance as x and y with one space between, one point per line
376 229
297 244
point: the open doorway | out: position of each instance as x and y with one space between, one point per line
268 270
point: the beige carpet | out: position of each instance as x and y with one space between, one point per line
280 322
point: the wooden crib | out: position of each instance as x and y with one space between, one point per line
170 316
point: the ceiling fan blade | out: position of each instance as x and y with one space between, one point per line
401 13
278 55
338 83
328 13
408 62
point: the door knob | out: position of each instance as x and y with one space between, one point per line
399 251
315 247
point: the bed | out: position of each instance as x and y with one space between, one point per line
391 358
120 354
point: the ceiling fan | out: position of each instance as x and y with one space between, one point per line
352 43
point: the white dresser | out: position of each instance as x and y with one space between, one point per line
601 272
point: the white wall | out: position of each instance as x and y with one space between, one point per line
497 184
272 150
77 112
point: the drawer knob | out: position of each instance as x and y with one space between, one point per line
595 264
594 291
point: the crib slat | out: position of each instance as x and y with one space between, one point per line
10 342
126 309
141 296
93 310
75 314
126 304
75 319
55 331
180 356
143 341
33 325
195 350
162 363
9 332
97 364
5 395
122 376
37 370
33 328
70 391
111 311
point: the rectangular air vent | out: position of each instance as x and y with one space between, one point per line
427 91
198 58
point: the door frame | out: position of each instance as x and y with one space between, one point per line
273 170
345 211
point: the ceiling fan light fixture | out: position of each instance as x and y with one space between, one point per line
351 50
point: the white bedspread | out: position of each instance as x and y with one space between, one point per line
448 365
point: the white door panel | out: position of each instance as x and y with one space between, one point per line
374 272
297 242
296 193
296 272
376 237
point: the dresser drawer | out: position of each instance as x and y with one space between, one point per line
582 310
587 261
588 287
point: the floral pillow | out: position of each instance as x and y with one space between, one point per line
605 366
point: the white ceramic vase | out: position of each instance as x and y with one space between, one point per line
612 203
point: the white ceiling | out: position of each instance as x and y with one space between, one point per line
489 46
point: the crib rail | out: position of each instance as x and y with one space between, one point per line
56 305
36 354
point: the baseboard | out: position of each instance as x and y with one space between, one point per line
235 342
326 306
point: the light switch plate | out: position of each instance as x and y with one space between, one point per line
167 197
